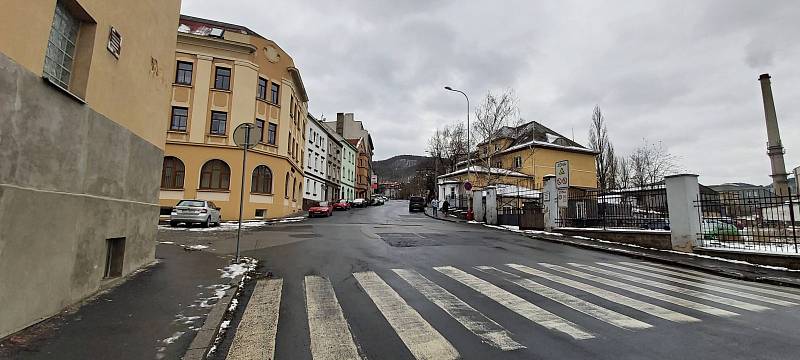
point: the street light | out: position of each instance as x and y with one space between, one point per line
469 155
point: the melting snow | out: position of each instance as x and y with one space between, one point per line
174 337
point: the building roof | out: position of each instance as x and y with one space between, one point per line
534 134
205 27
484 170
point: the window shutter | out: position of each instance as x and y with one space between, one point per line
114 42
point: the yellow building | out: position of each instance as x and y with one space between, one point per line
533 149
226 75
81 82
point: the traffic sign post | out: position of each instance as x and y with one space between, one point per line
245 136
562 182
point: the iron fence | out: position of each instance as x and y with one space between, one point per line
643 208
457 202
516 201
752 219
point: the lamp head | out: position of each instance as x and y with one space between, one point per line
448 88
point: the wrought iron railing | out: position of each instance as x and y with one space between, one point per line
643 208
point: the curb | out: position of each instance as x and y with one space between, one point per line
459 221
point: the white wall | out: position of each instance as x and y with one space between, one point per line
316 161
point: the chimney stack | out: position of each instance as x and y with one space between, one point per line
775 149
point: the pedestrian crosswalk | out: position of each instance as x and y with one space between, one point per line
571 301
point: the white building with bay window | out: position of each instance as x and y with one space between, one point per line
315 189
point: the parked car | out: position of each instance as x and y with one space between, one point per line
323 208
359 203
376 201
416 203
341 205
718 230
191 212
656 224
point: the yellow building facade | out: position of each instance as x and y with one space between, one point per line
227 75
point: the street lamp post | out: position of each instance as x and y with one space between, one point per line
469 155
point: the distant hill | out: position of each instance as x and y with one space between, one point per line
400 168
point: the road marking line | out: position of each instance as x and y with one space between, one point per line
516 303
714 280
330 335
480 325
642 291
255 335
421 339
593 310
651 309
687 291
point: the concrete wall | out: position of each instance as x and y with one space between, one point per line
790 261
650 239
491 205
70 178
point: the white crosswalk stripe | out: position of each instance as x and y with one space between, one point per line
473 320
642 291
651 309
255 335
421 339
593 310
327 327
714 280
700 285
516 303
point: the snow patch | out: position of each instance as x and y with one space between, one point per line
174 337
197 247
233 270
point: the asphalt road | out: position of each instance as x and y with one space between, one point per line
381 283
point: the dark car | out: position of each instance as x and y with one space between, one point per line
657 224
416 203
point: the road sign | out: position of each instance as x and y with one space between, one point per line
467 185
563 198
562 174
247 135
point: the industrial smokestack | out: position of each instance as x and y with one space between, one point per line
775 150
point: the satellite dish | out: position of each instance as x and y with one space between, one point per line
246 135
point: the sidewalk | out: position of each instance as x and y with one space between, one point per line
719 266
153 315
441 216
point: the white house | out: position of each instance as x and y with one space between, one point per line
315 163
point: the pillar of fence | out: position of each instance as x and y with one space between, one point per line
550 202
491 205
477 205
684 219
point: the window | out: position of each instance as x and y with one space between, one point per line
498 164
219 120
294 188
275 93
260 126
262 89
262 180
518 161
310 133
61 46
286 186
172 173
215 175
115 254
308 186
271 132
223 80
183 73
261 213
180 115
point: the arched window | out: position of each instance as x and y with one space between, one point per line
286 186
215 175
172 173
262 180
294 189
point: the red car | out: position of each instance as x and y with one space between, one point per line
323 208
341 205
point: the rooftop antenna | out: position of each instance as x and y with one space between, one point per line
573 133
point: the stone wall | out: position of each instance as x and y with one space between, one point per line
70 178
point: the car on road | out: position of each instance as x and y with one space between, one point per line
323 208
656 224
191 212
376 201
341 205
360 203
416 203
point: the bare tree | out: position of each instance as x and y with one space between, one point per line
650 162
598 141
494 112
436 150
623 173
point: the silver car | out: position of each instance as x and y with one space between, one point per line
191 212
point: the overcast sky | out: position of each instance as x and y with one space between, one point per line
680 72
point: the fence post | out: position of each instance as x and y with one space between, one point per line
550 202
491 205
684 220
477 205
791 218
